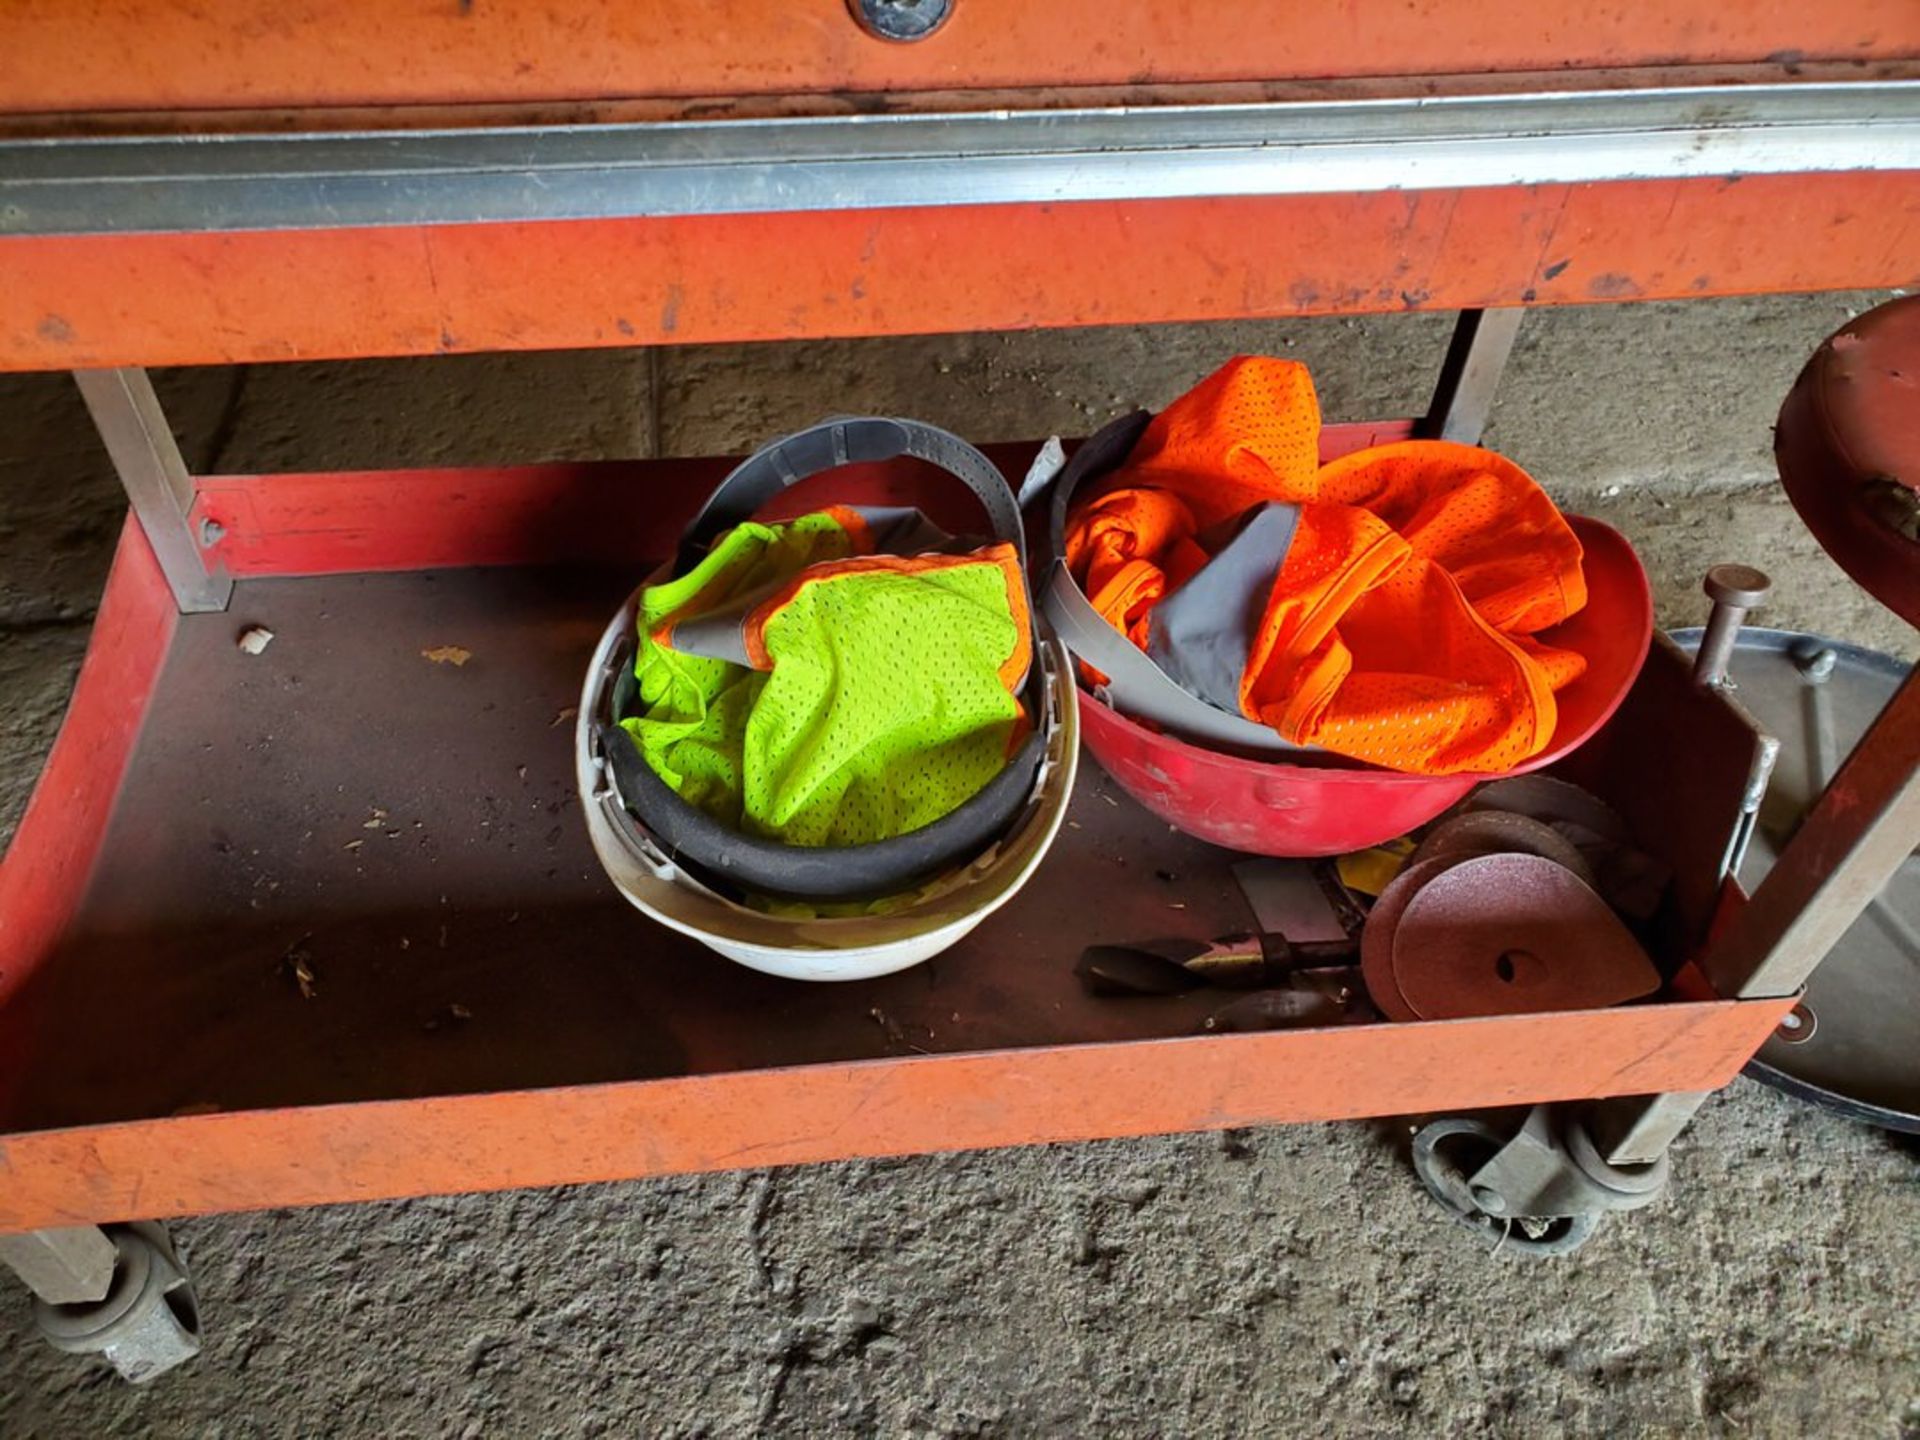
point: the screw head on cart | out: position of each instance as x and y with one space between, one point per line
901 19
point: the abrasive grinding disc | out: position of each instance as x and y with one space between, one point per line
1548 799
1376 941
1513 934
1490 832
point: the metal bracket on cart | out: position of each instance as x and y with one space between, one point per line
1541 1192
120 1292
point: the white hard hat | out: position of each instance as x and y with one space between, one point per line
784 935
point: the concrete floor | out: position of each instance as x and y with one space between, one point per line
1252 1284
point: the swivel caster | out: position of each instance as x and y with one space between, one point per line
1540 1192
146 1322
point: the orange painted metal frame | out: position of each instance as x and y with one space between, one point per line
72 302
240 297
323 1154
319 1154
599 512
602 512
94 55
45 870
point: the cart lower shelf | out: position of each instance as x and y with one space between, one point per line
322 923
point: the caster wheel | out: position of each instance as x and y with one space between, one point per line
1447 1152
149 1321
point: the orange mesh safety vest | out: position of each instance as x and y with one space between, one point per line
1399 627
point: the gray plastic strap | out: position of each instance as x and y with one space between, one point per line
851 441
1139 687
1202 633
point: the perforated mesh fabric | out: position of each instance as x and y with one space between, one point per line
1398 630
884 695
694 710
890 700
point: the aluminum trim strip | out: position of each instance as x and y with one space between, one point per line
208 182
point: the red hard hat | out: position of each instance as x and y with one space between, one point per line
1272 808
1245 789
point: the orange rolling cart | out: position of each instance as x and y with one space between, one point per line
212 998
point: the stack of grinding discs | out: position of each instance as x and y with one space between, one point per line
1500 910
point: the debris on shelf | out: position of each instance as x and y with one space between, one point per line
255 638
454 655
563 717
895 1032
298 962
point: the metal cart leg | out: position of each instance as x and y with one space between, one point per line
1853 840
62 1267
1469 376
119 1292
128 415
1864 825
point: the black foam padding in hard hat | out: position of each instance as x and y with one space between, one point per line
827 872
